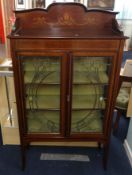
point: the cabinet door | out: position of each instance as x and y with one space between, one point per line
90 86
43 100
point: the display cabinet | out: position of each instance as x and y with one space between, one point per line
66 62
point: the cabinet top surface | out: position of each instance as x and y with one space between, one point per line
66 20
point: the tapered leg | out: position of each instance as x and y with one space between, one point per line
28 146
117 121
99 145
23 156
105 157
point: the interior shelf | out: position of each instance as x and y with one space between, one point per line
54 77
39 89
42 84
90 77
44 63
91 89
88 101
43 102
53 101
41 77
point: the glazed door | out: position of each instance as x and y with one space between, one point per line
90 92
43 80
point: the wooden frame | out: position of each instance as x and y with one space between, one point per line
79 1
40 3
20 4
103 4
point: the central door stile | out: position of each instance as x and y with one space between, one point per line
69 93
64 78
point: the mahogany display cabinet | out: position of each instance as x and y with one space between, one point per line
66 62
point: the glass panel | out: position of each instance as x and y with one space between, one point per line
42 96
89 96
41 70
42 93
91 69
43 121
87 121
